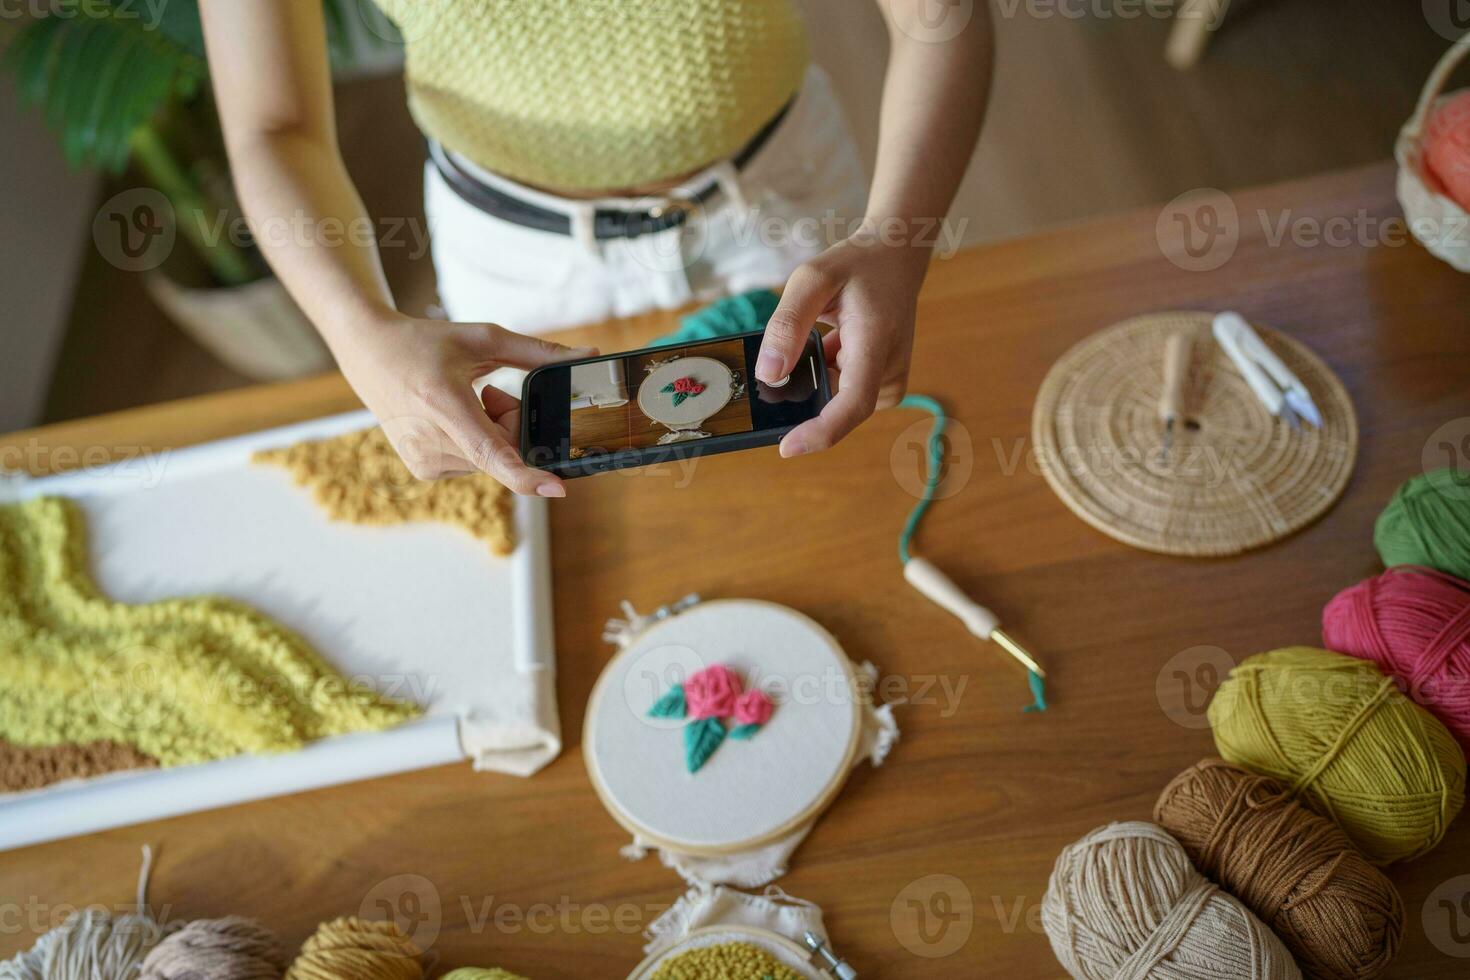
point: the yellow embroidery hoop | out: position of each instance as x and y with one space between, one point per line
722 628
784 949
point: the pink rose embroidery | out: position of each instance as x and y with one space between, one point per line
711 692
753 708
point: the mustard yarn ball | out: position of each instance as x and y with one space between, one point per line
1343 738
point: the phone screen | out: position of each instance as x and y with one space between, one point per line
692 398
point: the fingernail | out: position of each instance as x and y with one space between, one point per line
768 367
551 490
792 447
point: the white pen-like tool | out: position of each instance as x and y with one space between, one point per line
941 590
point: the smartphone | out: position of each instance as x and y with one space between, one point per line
663 403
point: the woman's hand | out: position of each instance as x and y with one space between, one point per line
415 375
868 290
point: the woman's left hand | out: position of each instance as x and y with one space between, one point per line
868 291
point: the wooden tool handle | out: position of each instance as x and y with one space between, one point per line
1176 369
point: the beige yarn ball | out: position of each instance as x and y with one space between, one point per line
1124 903
231 948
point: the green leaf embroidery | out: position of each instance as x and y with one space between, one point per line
701 738
668 388
744 732
679 397
671 705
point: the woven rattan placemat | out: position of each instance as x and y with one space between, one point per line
1235 477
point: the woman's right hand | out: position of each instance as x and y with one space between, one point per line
416 376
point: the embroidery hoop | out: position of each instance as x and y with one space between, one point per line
724 631
683 420
792 955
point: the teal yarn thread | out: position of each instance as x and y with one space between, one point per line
934 465
1428 523
741 313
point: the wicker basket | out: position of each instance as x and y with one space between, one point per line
1440 225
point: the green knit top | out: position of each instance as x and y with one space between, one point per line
595 94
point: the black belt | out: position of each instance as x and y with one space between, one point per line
606 223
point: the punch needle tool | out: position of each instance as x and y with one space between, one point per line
938 587
1281 391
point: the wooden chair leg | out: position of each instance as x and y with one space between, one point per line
1191 32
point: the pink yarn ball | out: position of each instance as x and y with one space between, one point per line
1414 623
1447 147
711 693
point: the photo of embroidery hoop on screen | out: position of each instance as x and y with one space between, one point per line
662 403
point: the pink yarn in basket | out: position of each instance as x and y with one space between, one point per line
1447 147
1414 623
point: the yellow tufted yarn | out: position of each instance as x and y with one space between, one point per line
597 95
184 680
350 948
1124 903
1340 735
477 973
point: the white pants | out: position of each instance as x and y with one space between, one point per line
803 190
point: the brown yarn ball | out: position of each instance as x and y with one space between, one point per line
350 948
1339 916
232 948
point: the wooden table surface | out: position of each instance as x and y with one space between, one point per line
935 864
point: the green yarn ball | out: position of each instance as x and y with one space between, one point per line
1428 523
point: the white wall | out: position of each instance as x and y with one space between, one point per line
45 227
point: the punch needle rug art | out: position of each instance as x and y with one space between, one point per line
88 685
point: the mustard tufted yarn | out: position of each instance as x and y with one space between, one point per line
1341 736
359 478
350 948
597 95
182 680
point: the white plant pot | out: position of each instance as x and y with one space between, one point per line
256 329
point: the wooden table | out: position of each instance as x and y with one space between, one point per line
526 872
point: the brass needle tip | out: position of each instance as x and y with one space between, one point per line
1016 650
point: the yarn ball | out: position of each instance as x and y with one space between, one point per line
1447 146
350 948
478 973
90 944
1339 916
1428 523
1343 738
232 948
1414 623
1124 902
